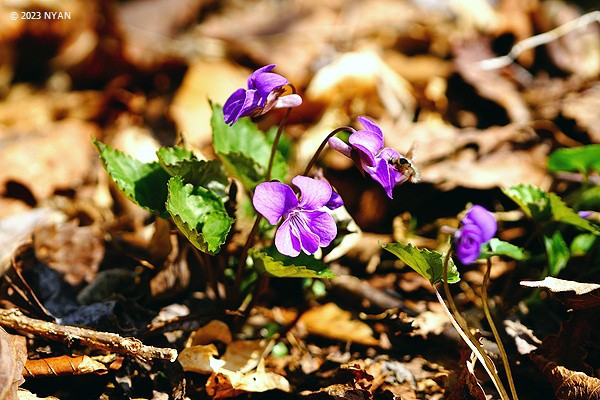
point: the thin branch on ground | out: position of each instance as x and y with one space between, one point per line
538 40
13 318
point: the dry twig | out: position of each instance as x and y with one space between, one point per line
538 40
13 318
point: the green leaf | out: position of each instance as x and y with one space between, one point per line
558 253
244 150
143 183
545 207
582 159
199 214
173 155
271 263
532 200
501 248
182 162
583 243
590 198
429 264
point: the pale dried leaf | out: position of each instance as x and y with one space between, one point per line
200 359
226 383
245 355
331 321
576 295
215 330
429 322
12 361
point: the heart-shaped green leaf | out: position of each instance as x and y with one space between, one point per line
501 248
582 159
181 162
271 263
429 264
143 183
199 214
545 207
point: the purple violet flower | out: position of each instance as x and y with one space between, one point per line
264 92
478 227
585 214
306 223
367 151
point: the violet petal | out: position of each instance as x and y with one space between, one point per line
322 224
286 242
468 243
267 82
301 227
335 201
290 100
314 193
262 70
483 219
368 143
233 106
385 174
273 200
339 145
371 126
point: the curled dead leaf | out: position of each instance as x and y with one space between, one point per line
12 361
576 295
568 384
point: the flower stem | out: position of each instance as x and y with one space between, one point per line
252 235
488 315
277 136
242 263
313 160
474 343
275 142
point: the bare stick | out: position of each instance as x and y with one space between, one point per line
13 318
538 40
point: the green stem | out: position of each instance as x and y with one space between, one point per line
313 160
205 261
483 358
275 142
488 315
242 263
252 236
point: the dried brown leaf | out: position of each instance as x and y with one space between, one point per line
58 157
63 365
583 108
226 383
200 359
12 360
489 83
577 52
76 251
215 330
576 295
331 321
467 386
568 384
